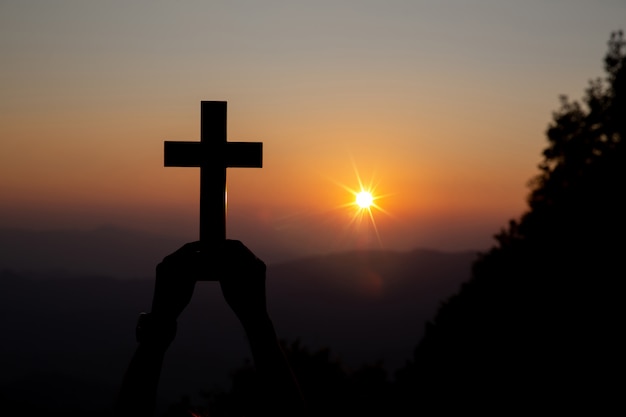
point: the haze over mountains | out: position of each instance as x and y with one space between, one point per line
109 250
68 321
105 251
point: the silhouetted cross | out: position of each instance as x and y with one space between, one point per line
213 154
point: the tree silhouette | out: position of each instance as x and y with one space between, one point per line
539 325
329 387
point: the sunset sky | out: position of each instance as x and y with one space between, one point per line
441 105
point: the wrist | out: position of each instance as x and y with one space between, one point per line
155 331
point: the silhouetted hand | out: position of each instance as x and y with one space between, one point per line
243 286
176 278
240 273
242 279
243 282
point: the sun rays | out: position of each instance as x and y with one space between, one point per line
364 203
342 216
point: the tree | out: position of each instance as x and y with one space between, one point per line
330 388
540 322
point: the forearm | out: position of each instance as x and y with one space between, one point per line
139 388
279 383
138 393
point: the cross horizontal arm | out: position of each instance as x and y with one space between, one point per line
182 154
244 154
194 154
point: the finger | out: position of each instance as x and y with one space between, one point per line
219 248
237 249
240 259
199 258
182 252
189 247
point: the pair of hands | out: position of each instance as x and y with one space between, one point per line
240 273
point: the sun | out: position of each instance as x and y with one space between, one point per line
365 202
364 199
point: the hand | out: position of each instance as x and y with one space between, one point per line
243 281
176 278
242 278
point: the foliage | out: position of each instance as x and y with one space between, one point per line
329 387
539 323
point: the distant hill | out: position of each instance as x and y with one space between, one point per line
107 251
365 306
369 304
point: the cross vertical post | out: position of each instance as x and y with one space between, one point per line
213 196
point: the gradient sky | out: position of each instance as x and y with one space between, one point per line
442 105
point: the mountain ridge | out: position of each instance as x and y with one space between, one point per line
365 305
114 251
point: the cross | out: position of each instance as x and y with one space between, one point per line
213 154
